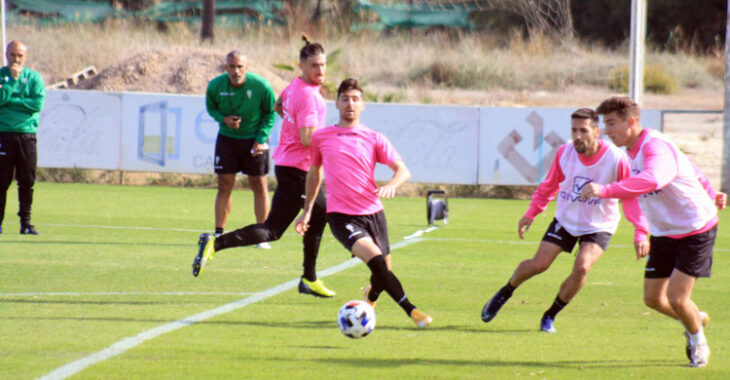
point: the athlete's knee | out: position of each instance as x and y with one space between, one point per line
258 233
25 185
268 231
580 270
677 301
274 234
226 183
257 184
540 265
653 301
533 267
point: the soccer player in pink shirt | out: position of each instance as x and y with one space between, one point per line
348 152
681 207
303 111
586 159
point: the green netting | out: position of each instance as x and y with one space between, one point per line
228 13
454 15
71 11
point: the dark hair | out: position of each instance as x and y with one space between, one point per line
347 85
310 49
624 106
584 114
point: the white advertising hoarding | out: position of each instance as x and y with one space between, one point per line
174 133
167 133
517 145
80 129
435 142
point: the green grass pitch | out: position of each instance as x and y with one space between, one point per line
115 262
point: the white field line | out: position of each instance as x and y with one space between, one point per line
120 227
76 294
420 232
133 341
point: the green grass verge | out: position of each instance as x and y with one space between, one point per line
119 254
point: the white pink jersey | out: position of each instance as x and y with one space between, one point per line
568 174
303 107
674 195
348 157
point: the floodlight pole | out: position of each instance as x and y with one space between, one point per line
636 54
2 16
725 181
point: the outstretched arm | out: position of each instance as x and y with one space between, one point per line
660 168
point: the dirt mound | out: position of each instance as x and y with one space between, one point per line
179 70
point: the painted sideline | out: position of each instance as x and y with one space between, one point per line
133 341
78 294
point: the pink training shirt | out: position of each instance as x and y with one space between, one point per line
569 172
303 107
675 196
348 157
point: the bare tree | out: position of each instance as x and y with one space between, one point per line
208 21
550 18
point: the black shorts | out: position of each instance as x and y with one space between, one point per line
691 255
234 155
350 228
557 235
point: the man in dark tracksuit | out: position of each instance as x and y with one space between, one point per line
21 97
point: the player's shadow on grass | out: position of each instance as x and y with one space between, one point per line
102 243
476 328
572 364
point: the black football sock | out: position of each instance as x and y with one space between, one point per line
390 282
218 231
558 305
507 290
218 245
376 288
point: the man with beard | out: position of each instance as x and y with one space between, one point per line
681 208
345 155
589 221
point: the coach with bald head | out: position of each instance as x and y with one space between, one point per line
21 97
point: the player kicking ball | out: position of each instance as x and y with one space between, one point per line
302 109
587 221
347 153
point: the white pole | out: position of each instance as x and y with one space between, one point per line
2 16
636 54
725 181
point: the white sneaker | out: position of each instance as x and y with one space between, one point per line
264 245
704 321
699 355
704 318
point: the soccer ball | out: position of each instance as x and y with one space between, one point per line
356 319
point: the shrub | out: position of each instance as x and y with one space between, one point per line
656 80
716 67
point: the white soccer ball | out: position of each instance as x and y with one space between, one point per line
356 319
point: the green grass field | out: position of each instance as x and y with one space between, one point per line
112 268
